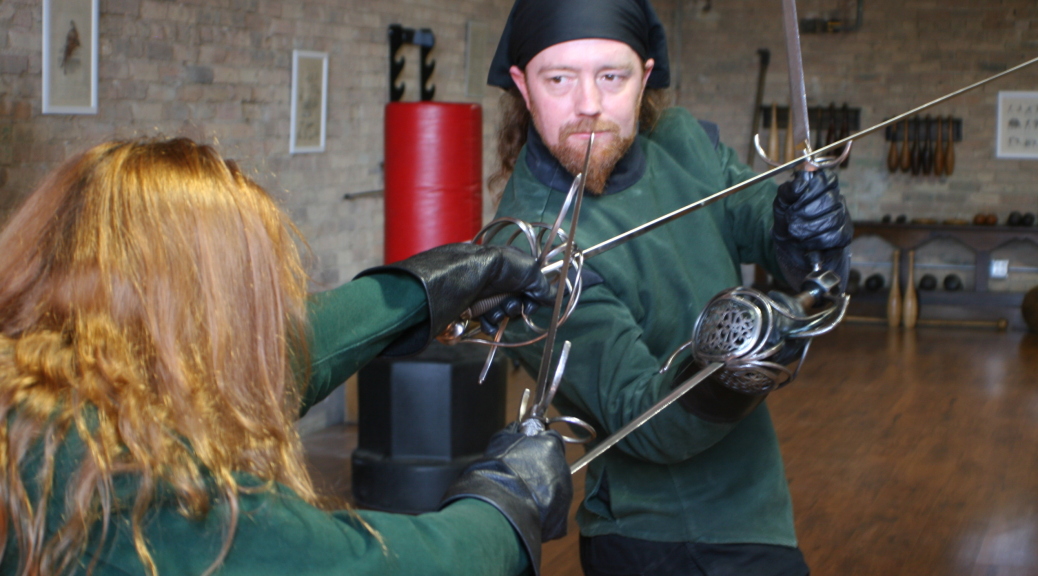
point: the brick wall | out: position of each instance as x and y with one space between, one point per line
220 71
906 53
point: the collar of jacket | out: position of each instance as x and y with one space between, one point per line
549 172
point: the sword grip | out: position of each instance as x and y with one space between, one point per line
481 307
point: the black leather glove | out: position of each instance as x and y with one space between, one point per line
455 276
527 479
811 222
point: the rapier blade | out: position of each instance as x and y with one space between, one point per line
624 237
797 93
541 398
644 417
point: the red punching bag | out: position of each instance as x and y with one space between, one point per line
434 171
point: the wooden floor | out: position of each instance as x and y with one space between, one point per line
908 453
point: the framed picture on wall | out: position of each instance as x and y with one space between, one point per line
1017 135
309 101
70 56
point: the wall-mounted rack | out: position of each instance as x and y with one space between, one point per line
820 117
425 40
917 128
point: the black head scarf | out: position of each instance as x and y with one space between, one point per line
534 25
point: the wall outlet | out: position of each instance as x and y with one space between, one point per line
999 268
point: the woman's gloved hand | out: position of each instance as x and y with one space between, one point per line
811 222
527 479
455 276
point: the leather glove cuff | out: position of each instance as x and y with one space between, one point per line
457 275
414 339
516 509
527 479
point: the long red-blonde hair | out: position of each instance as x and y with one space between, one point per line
152 302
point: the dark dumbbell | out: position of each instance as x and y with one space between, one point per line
874 283
901 219
886 219
952 283
1015 218
1027 219
928 282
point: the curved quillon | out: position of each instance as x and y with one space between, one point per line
812 161
539 239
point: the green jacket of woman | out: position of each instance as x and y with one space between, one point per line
678 478
280 534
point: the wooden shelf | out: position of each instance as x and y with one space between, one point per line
979 303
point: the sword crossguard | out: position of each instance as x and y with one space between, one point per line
540 239
813 162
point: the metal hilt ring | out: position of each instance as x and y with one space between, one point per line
815 163
574 422
538 243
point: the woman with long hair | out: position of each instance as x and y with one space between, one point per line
157 344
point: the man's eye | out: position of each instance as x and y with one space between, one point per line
555 79
609 77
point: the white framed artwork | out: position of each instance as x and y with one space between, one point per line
70 56
309 102
1017 134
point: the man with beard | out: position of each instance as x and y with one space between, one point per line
700 488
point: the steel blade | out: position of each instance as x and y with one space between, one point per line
797 93
633 233
646 416
543 373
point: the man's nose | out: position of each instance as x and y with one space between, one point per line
589 98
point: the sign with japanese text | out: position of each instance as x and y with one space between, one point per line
1017 135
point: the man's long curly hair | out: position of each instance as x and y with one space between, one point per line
516 119
152 303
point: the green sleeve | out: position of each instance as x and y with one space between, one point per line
279 534
351 324
750 213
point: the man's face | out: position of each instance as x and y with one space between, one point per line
578 86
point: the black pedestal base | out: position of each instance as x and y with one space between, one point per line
410 486
421 421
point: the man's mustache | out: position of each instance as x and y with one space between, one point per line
587 125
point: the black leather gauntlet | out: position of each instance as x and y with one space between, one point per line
527 479
457 275
811 221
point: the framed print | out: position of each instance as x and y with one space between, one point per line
1017 134
309 101
70 56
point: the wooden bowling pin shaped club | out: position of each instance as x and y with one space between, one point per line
773 137
938 155
893 160
926 155
894 297
916 160
906 152
949 148
790 150
910 309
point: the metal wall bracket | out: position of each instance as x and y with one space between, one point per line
425 40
